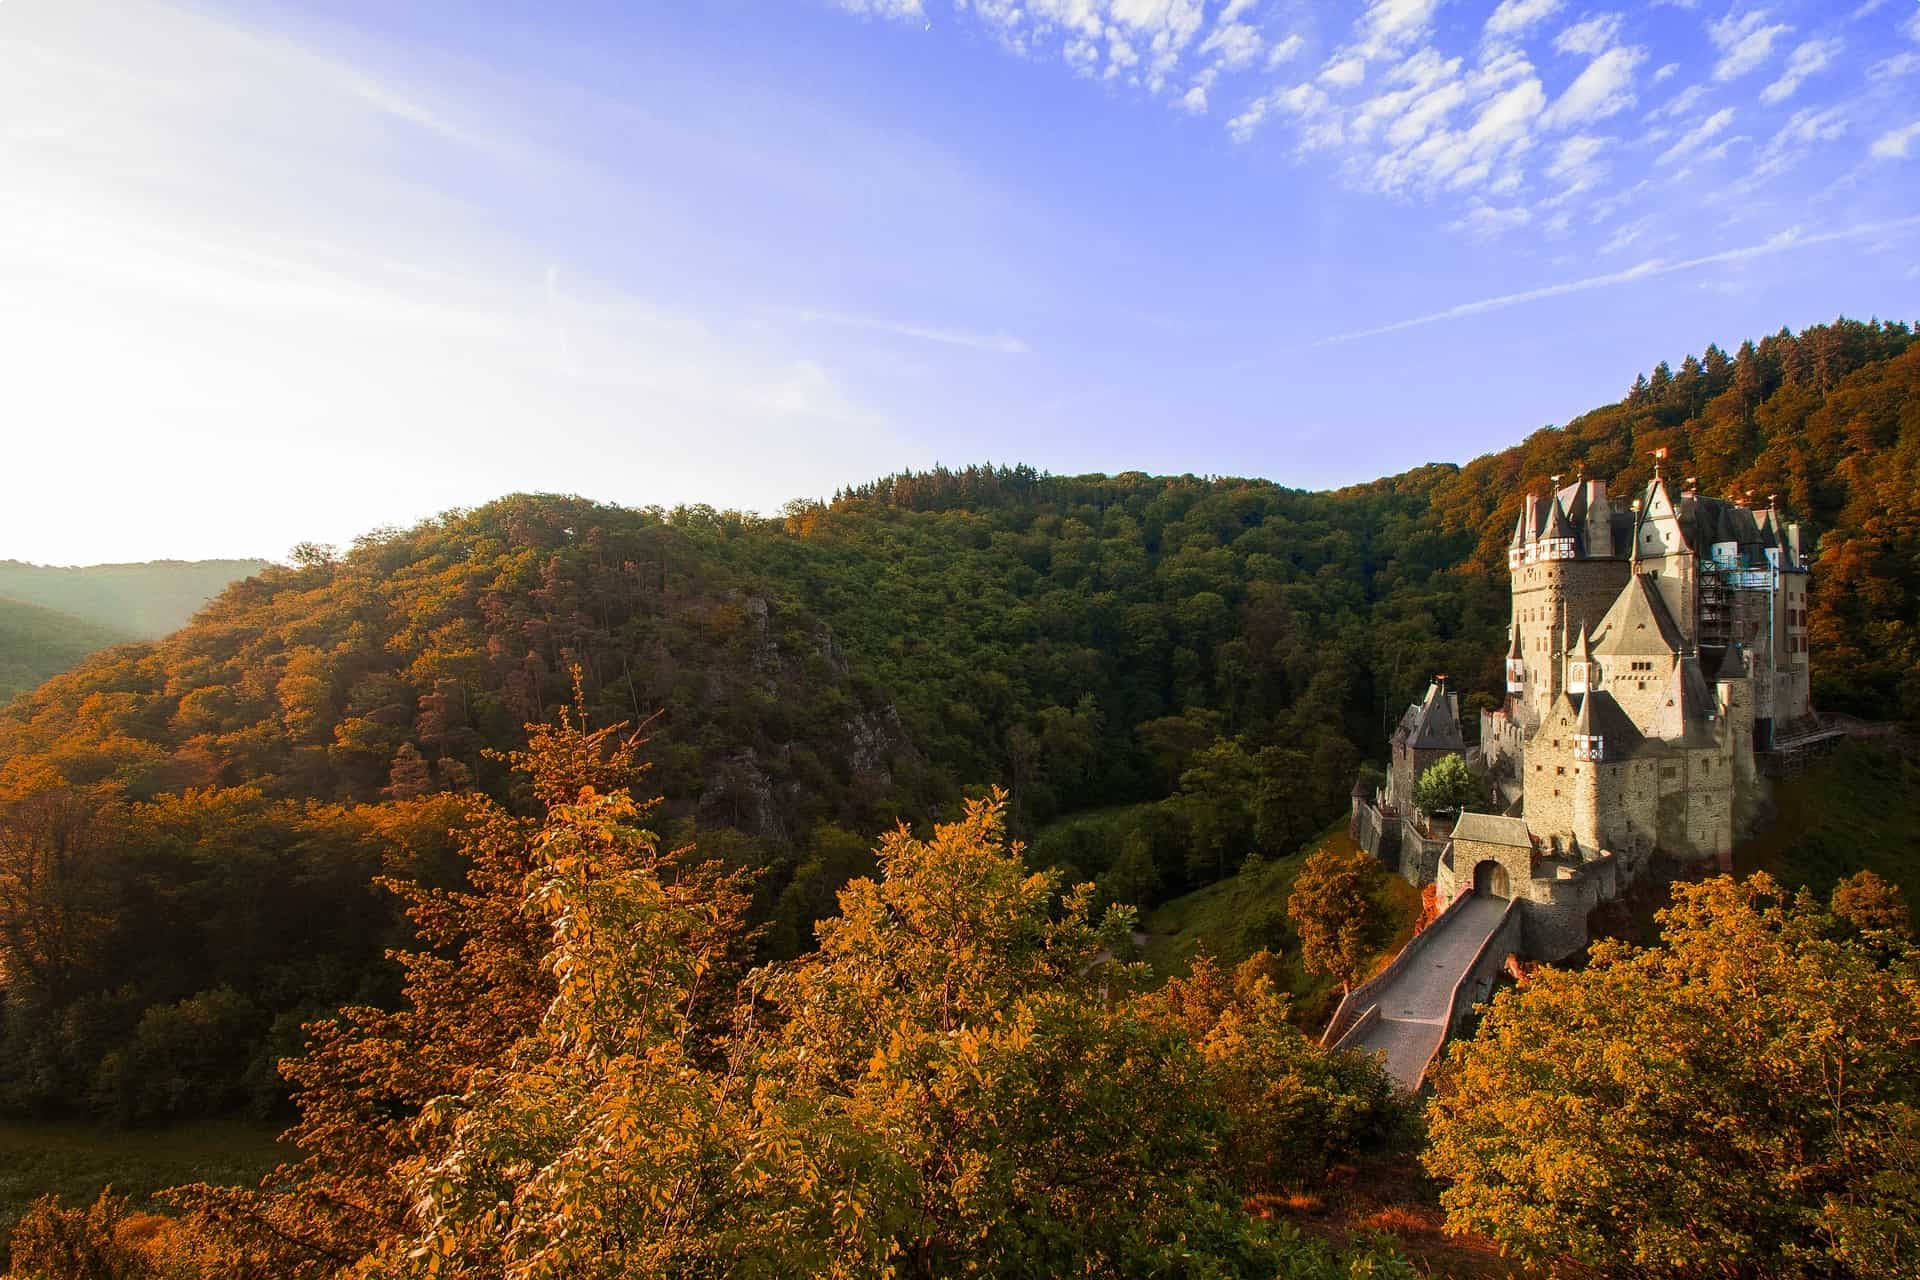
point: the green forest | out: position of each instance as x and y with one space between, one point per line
36 643
1147 685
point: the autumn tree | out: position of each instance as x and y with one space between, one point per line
474 985
599 1142
1293 1108
960 1078
54 895
1336 913
1738 1100
1868 902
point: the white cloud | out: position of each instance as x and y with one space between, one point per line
1744 42
1484 222
1605 88
1809 58
1900 64
1283 51
1627 235
1679 104
1392 24
1516 17
1810 125
1305 101
1595 33
1344 73
1896 144
1650 269
1577 163
1195 100
1704 132
1462 159
1666 72
903 10
1236 43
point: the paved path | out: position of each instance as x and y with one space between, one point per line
1415 1005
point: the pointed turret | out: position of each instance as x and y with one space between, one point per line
1516 662
1588 742
1581 675
1436 726
1557 536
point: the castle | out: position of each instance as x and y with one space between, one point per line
1657 651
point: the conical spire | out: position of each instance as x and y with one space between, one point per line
1558 525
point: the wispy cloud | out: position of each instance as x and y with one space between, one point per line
1809 58
1604 89
1745 42
1896 144
1697 137
1000 343
1591 35
904 10
306 277
1653 268
1517 17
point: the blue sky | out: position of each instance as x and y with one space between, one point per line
283 272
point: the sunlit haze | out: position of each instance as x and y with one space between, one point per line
271 273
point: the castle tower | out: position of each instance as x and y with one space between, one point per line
1589 758
1664 547
1567 559
1733 691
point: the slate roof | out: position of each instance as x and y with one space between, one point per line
1434 724
1637 624
1601 716
1493 828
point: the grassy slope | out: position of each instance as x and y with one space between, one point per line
1854 810
37 642
76 1161
1236 917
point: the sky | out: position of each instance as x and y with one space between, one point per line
272 273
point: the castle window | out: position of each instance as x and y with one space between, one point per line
1561 770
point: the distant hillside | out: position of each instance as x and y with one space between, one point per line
37 643
144 601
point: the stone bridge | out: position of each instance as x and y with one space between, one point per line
1408 1009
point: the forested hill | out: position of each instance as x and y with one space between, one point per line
36 643
148 599
1205 661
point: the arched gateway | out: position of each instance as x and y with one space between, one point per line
1490 880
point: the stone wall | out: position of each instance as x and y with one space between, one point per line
1557 908
1419 856
1375 834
